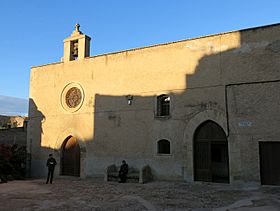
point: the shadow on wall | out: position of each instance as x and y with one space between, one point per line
34 131
69 152
123 131
131 132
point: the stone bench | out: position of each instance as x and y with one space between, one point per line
134 175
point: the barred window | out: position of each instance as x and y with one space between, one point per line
163 105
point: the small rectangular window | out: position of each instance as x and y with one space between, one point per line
163 105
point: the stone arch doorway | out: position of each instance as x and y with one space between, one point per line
211 160
70 157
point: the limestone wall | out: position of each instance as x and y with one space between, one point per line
207 78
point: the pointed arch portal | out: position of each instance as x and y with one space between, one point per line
211 161
70 157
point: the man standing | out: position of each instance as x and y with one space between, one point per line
123 172
51 162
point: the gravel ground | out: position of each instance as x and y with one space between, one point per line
94 194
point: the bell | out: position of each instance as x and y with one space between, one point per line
75 50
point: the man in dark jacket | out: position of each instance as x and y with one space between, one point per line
51 162
123 172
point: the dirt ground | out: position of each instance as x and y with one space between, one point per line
95 194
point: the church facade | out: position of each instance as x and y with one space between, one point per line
202 109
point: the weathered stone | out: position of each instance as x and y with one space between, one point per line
231 79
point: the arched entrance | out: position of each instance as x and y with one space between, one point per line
211 163
70 157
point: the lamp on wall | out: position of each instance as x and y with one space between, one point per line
129 99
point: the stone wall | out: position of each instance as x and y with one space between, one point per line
13 136
226 78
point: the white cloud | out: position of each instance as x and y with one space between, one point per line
12 106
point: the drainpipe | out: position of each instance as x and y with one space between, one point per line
240 84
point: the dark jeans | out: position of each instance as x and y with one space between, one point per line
122 177
50 175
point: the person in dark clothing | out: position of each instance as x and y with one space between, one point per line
123 172
51 162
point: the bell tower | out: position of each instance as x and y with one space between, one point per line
77 46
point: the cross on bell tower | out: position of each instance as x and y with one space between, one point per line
77 46
77 27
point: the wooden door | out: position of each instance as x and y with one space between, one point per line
70 157
269 163
219 161
210 153
202 161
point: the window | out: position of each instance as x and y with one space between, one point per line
163 147
163 105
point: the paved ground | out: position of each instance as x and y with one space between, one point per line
94 194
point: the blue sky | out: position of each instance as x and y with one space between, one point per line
11 106
32 31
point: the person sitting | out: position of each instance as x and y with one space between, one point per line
123 172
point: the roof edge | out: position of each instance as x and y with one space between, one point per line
168 43
188 39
